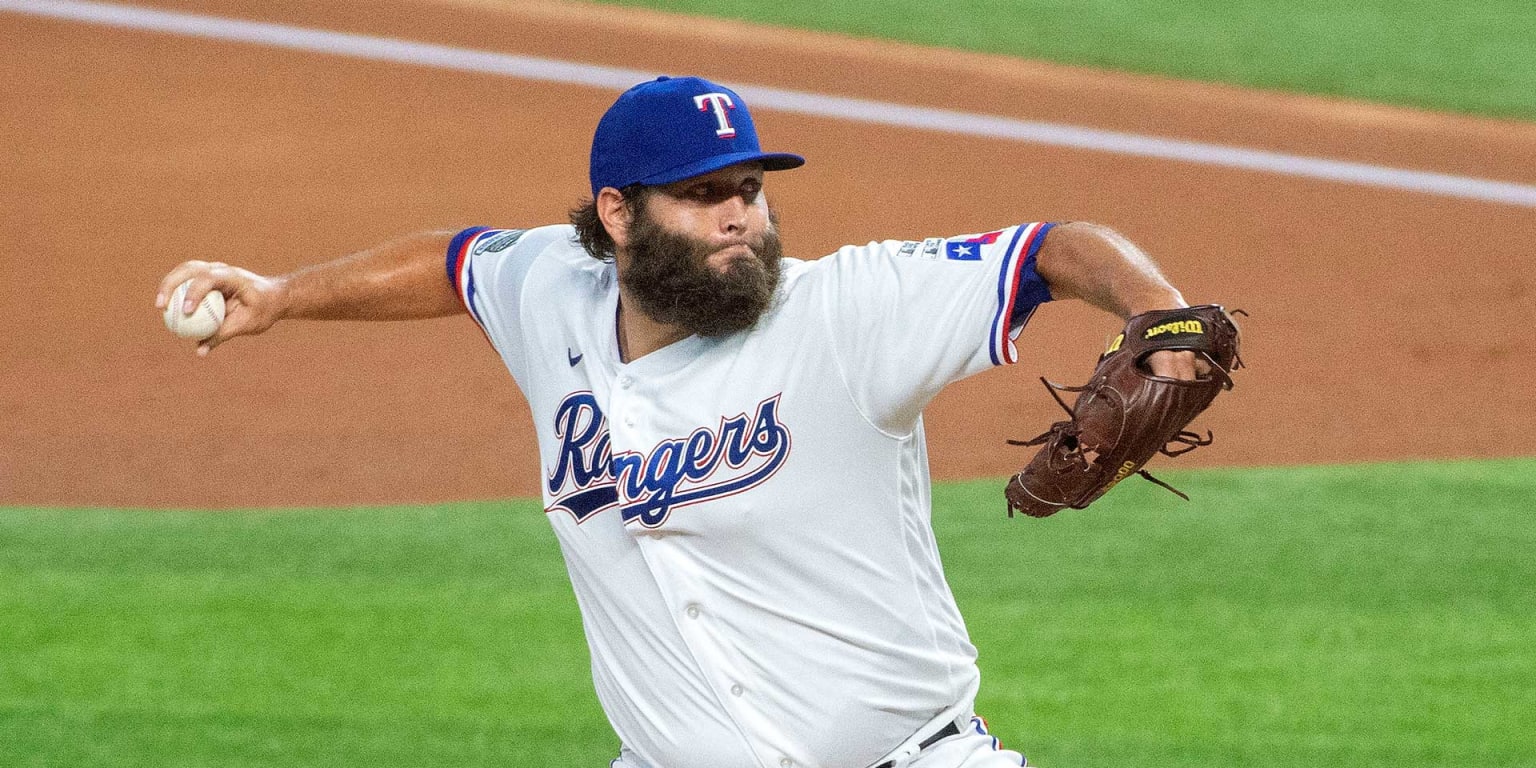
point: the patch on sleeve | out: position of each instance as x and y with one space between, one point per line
499 241
969 249
931 249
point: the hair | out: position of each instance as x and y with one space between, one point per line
669 280
590 231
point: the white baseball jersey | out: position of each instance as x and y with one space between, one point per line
745 519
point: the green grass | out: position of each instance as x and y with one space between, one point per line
1474 56
409 637
1360 616
1367 616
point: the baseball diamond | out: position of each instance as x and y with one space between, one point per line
682 570
1328 239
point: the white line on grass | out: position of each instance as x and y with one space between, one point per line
818 105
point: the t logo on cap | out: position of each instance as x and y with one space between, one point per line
720 102
670 129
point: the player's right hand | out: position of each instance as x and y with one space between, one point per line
252 303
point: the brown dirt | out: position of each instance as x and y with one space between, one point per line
1384 324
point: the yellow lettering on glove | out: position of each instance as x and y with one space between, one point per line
1177 326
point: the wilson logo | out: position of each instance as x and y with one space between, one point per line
1177 326
741 453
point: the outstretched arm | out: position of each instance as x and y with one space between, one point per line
1097 265
399 280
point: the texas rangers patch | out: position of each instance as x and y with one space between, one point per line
969 249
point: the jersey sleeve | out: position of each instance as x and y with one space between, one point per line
488 268
909 317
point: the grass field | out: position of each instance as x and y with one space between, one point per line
1473 56
1344 616
1364 616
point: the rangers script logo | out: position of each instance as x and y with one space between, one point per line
740 454
582 482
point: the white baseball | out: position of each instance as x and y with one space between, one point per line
203 322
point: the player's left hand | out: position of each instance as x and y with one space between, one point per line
1156 377
1181 364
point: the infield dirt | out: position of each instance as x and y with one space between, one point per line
1383 324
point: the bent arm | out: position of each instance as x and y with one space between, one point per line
402 279
1096 264
1099 266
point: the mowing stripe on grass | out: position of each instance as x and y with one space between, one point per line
817 105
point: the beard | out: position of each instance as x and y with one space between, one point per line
669 278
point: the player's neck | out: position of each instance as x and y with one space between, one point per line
639 334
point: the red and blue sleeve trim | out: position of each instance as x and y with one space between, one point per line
1020 289
459 274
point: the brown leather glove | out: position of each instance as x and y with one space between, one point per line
1125 414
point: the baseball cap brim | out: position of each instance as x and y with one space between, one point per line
772 161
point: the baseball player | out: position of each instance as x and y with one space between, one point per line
731 440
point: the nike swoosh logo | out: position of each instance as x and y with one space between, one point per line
574 359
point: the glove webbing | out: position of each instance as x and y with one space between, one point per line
1068 431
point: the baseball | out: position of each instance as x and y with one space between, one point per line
203 322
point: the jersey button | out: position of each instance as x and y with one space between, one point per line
785 762
693 611
625 382
737 690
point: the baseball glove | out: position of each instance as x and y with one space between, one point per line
1125 414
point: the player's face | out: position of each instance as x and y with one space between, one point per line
725 210
704 254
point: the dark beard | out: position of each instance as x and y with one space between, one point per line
668 278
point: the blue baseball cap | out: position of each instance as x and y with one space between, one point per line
675 128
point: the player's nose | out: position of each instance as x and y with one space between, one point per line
732 213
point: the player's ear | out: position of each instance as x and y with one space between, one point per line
615 215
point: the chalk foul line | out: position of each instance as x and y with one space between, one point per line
800 102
